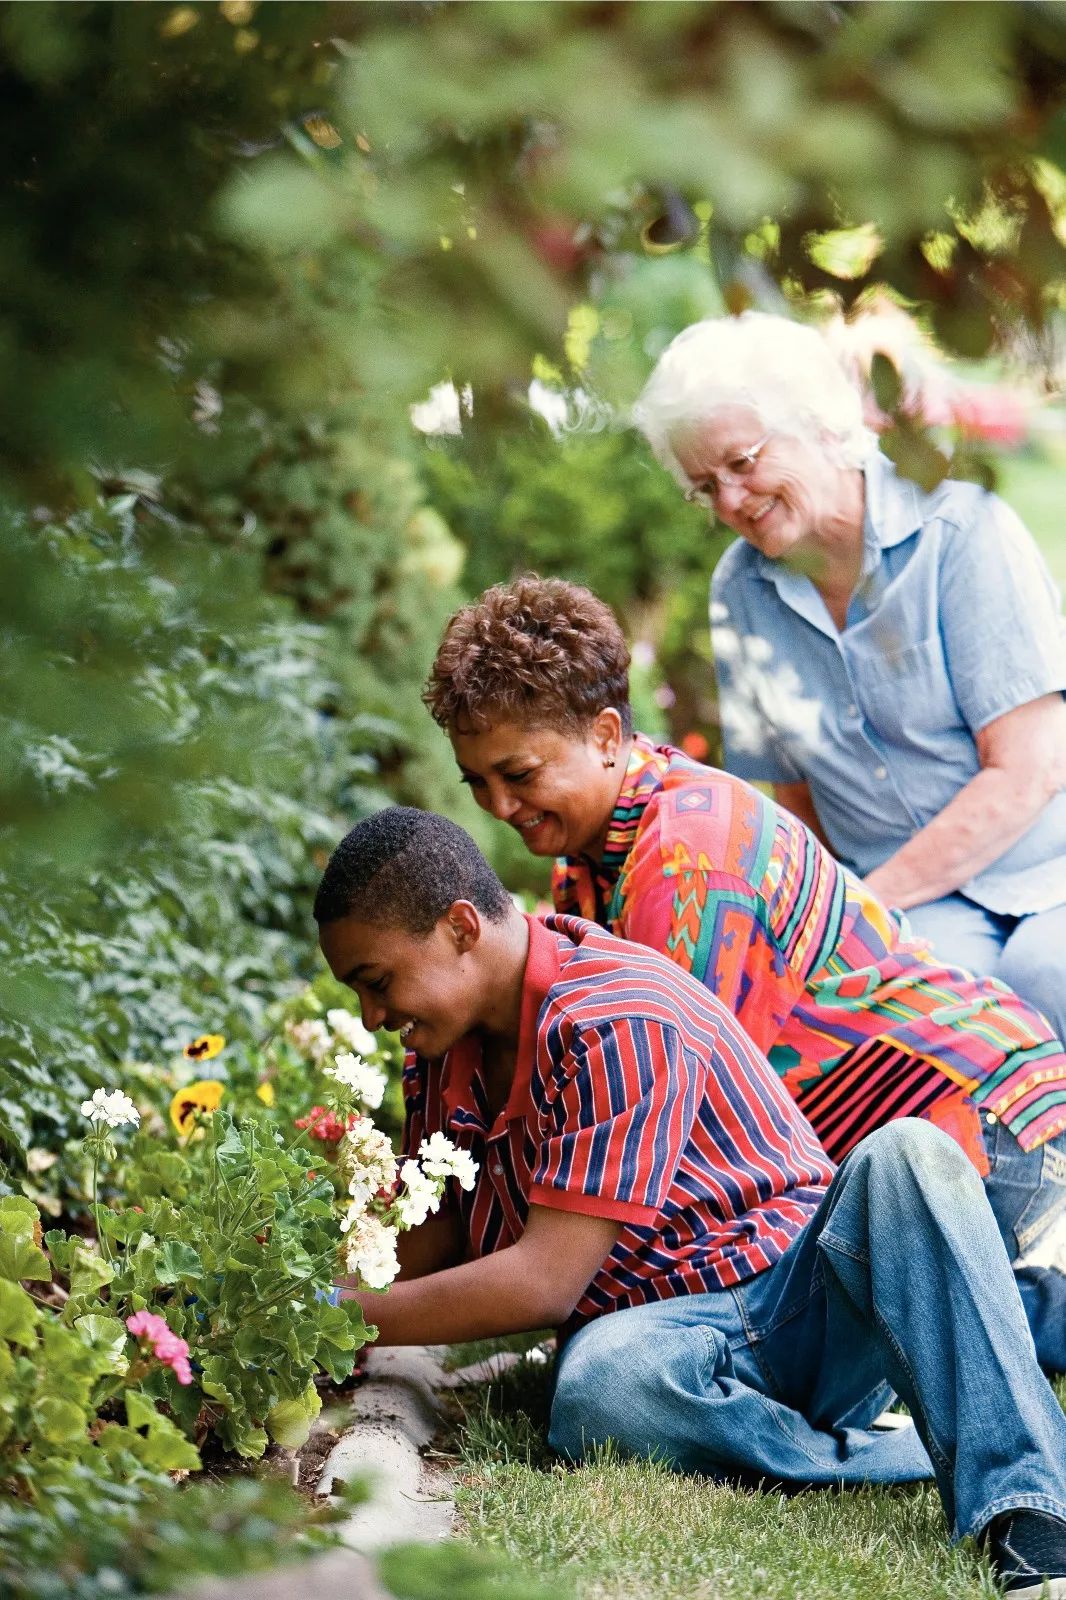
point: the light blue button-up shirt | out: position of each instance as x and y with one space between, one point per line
955 621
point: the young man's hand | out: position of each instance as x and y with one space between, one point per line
535 1283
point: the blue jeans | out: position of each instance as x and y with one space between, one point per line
1027 953
1027 1193
898 1283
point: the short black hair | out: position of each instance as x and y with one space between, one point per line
403 868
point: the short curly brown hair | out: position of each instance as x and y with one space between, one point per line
539 651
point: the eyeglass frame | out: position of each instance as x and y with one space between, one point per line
699 494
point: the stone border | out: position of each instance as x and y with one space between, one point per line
395 1414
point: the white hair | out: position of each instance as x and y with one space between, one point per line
784 371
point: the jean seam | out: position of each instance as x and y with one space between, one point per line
930 1441
844 1247
780 1424
1011 1502
709 1351
889 1337
756 1335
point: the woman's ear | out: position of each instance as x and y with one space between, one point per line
607 735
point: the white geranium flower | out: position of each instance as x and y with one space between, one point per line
441 412
351 1031
442 1159
311 1037
421 1195
370 1251
367 1083
365 1161
464 1169
113 1109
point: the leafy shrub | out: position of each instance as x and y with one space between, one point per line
95 1536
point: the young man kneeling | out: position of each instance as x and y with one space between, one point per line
638 1156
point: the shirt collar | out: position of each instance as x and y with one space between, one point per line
893 507
463 1061
542 973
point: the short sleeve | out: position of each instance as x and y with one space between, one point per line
617 1122
1000 616
750 747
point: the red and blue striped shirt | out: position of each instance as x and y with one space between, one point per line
638 1097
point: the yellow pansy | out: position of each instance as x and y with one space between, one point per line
205 1047
265 1092
189 1103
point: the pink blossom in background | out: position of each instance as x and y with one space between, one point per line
990 412
166 1346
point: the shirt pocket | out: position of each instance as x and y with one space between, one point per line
905 692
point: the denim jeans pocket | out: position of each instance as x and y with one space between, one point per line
1026 1188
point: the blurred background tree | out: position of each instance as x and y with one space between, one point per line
240 241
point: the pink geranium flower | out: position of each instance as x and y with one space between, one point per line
166 1345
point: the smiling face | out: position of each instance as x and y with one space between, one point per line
555 789
784 497
421 987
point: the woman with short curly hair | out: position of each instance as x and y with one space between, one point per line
862 1022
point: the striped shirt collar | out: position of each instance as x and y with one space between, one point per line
463 1061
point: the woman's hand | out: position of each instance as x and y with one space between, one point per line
1023 766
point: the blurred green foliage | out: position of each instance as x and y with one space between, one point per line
98 1537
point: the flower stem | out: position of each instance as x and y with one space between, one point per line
100 1234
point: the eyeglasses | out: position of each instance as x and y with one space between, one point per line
739 467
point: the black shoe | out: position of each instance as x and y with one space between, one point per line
1027 1550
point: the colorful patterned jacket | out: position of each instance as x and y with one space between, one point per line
856 1015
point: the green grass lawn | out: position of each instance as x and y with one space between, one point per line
616 1529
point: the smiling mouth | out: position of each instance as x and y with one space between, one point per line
533 822
763 511
405 1031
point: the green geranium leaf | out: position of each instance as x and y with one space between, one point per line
106 1337
244 1437
213 1382
20 1255
289 1422
178 1261
59 1421
168 1450
18 1316
88 1272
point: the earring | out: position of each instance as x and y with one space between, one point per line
607 761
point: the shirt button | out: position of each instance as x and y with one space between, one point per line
853 711
881 773
990 1117
497 1167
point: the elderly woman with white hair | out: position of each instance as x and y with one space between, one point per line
892 662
